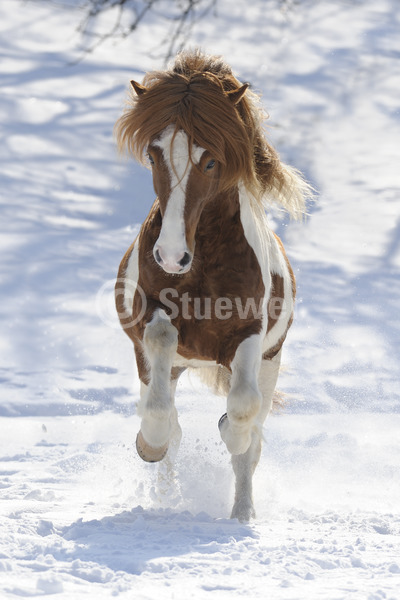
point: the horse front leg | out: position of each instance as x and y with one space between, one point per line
160 342
244 398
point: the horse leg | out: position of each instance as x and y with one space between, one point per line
176 431
167 481
245 464
160 342
244 398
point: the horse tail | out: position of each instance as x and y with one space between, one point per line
218 380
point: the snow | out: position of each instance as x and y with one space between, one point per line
81 515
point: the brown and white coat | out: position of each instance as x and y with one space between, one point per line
206 284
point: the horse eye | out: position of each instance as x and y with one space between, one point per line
210 165
151 159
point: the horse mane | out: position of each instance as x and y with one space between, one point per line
193 95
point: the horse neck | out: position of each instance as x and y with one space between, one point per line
235 205
236 218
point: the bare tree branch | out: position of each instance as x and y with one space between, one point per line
123 17
182 15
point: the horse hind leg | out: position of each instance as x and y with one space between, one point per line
245 464
160 343
168 485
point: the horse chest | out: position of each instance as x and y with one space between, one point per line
219 302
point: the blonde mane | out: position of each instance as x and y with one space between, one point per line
193 95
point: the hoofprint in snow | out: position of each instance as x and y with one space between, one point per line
81 516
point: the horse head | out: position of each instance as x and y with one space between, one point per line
192 155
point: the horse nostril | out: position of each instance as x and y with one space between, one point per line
158 257
185 260
171 264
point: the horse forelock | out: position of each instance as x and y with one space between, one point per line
196 102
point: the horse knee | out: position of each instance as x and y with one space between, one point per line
160 335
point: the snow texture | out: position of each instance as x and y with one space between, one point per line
81 515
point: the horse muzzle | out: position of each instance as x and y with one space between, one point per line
177 263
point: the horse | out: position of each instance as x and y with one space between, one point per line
206 285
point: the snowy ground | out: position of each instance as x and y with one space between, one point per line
81 516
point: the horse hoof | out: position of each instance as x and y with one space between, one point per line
221 421
236 442
243 511
147 453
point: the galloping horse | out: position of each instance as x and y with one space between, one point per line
207 284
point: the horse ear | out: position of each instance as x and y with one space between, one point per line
139 89
235 96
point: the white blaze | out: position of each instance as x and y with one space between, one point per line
172 238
